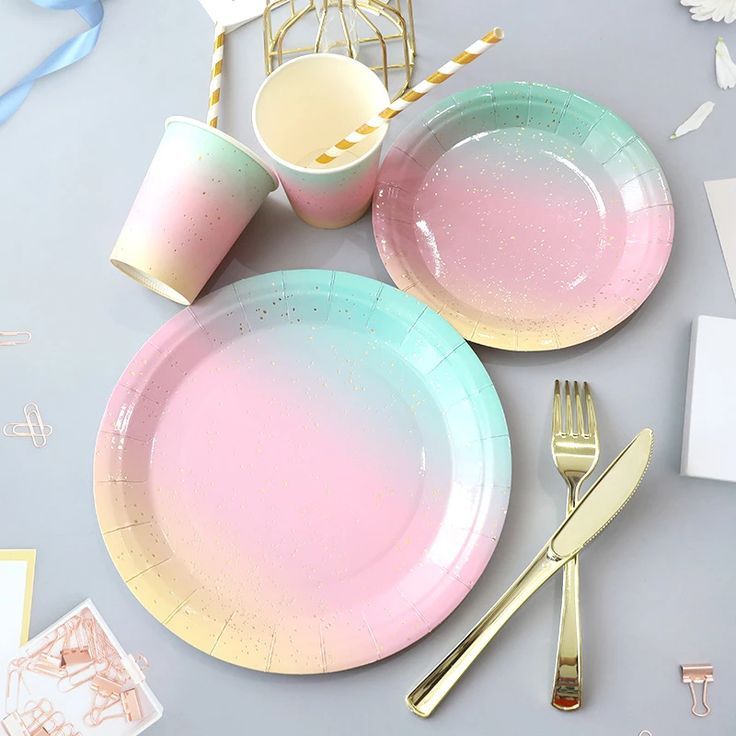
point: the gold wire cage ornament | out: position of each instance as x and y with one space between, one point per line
377 33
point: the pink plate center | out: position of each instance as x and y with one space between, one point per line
519 221
274 457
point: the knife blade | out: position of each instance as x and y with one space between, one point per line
605 499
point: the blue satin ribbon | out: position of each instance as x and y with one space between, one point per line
68 53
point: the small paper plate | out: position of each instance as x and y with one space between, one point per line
527 216
304 472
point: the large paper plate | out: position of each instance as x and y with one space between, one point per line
303 472
527 216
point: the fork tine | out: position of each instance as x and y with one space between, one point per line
569 426
592 423
557 410
579 417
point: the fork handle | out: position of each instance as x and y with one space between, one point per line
567 689
568 684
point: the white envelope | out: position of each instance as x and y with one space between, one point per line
708 447
17 567
722 198
233 13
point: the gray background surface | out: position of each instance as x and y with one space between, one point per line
657 588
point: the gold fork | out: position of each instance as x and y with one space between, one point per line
575 449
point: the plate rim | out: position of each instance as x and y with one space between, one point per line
410 134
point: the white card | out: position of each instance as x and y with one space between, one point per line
708 438
722 198
16 591
233 13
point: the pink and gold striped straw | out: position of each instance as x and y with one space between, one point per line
213 113
415 93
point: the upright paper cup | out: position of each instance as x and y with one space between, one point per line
201 190
302 109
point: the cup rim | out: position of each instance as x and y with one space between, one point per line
151 282
233 141
297 167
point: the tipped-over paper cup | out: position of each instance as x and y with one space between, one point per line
302 109
201 190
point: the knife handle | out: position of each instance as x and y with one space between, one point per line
429 693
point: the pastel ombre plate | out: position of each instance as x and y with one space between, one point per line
304 472
529 217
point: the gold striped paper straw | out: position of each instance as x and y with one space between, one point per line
415 93
213 113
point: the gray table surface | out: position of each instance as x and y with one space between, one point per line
657 589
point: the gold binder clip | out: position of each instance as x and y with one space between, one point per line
105 686
697 674
131 705
124 705
46 664
13 725
74 656
14 338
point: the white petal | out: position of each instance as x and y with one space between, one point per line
695 120
716 10
725 67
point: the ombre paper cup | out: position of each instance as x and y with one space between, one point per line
201 190
302 109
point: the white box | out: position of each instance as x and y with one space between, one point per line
709 440
37 687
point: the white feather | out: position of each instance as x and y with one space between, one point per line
695 120
725 67
716 10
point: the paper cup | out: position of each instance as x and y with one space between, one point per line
201 190
302 109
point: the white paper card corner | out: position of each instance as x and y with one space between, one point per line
722 199
16 590
233 13
708 439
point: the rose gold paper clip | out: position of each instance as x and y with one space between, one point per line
693 674
33 427
38 719
15 338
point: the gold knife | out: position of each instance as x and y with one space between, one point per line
607 496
